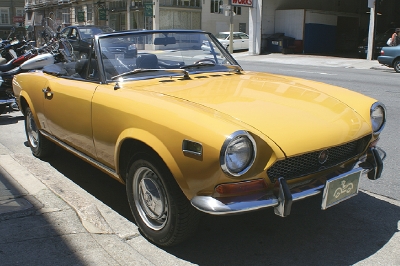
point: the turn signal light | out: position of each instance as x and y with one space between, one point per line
241 188
374 143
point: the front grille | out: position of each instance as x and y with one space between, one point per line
308 163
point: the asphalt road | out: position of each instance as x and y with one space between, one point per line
361 230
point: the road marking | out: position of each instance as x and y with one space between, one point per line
310 72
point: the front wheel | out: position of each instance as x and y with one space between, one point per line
396 65
40 146
161 210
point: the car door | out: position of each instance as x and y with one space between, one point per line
74 40
67 109
245 40
237 42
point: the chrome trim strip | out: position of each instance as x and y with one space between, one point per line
185 142
7 101
81 155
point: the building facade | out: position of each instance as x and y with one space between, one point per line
318 26
12 14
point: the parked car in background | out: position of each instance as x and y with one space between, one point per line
240 41
390 57
191 132
379 42
81 38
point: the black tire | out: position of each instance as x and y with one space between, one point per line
40 146
396 65
2 108
162 212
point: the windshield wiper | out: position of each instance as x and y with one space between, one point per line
141 70
198 65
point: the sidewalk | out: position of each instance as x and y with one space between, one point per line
311 60
58 223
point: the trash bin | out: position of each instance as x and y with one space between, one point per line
278 44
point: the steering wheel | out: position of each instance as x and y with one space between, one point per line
204 60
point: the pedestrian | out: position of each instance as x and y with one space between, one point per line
395 40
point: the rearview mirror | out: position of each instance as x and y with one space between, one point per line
164 41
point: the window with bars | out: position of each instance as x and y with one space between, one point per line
180 3
19 12
89 13
66 16
4 16
216 6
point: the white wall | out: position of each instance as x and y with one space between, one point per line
319 17
290 22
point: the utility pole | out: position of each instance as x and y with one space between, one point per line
230 29
371 32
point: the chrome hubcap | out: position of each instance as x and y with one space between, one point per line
150 199
33 132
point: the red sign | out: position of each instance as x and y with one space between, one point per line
248 3
18 19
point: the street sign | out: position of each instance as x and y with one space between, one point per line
371 3
225 7
81 16
148 9
248 3
102 14
18 19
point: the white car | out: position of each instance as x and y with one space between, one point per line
240 41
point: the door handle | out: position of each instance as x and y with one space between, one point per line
47 93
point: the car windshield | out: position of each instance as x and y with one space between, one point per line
139 55
89 32
222 35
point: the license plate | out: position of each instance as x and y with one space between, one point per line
340 188
274 42
119 56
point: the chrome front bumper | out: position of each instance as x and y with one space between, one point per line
371 166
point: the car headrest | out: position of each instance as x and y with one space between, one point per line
147 61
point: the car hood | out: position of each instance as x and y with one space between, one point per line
296 116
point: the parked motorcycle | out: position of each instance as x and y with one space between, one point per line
55 50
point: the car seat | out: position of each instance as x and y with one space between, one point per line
81 68
147 61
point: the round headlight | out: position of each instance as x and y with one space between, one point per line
238 153
378 117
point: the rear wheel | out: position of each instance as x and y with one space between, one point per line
161 210
396 65
40 146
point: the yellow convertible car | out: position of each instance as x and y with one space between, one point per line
191 132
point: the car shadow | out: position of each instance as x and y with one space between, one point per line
342 235
6 119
